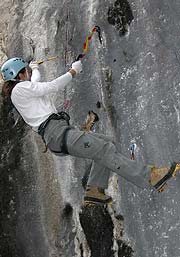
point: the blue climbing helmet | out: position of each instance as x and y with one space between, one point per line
12 67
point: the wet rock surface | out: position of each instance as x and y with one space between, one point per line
98 228
104 232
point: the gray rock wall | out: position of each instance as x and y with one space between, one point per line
132 82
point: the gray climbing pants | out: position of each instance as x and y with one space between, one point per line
101 150
106 158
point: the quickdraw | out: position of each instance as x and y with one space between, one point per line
88 39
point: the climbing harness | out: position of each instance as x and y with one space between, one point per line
56 116
88 39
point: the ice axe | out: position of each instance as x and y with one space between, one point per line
49 59
88 39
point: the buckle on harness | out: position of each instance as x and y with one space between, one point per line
54 116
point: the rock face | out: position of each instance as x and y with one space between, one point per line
132 82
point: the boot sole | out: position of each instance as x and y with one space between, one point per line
90 203
171 173
89 200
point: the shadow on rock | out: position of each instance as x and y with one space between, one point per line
120 15
98 228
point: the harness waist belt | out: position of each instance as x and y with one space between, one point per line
54 116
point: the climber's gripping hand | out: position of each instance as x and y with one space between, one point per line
35 74
76 68
33 65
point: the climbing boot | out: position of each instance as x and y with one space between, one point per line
159 176
96 195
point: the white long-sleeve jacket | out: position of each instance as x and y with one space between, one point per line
31 98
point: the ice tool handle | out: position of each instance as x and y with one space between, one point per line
49 59
88 39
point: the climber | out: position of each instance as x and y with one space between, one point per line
132 149
32 100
